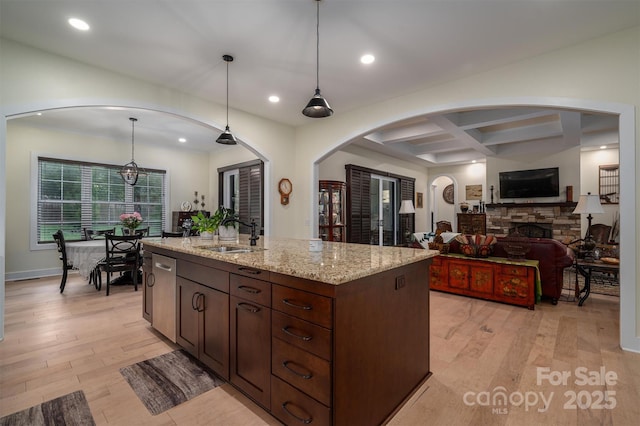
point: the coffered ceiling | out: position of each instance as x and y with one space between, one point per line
417 43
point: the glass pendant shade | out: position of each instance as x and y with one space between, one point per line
318 107
130 172
226 137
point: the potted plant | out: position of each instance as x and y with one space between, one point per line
206 226
227 229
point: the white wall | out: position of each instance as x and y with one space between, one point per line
567 161
589 182
332 168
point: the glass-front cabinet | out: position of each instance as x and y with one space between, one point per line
331 220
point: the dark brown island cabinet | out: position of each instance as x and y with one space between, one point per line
307 351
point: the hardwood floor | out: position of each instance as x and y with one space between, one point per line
58 343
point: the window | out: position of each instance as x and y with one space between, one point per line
609 184
73 195
241 187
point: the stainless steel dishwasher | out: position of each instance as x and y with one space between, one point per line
164 295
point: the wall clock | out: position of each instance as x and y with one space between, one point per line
447 194
284 187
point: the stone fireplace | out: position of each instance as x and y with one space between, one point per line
546 220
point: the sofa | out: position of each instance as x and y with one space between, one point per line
553 256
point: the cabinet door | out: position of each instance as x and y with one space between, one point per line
481 279
214 328
251 349
147 289
188 315
438 274
459 275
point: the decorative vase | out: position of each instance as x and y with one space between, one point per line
227 233
464 207
128 231
206 235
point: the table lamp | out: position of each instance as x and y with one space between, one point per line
588 204
406 208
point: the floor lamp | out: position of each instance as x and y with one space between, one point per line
406 208
589 204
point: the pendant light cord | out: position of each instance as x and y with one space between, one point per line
227 94
133 123
317 44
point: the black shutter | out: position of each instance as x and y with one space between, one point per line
358 205
251 200
407 221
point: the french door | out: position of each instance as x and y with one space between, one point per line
383 210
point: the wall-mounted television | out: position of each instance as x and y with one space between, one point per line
530 183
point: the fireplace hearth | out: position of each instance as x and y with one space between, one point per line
542 220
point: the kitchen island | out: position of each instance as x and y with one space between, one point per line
332 337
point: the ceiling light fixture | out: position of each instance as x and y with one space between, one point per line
274 99
130 172
367 59
318 107
226 137
78 24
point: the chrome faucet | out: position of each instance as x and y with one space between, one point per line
254 237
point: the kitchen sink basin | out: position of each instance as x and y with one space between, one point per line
231 249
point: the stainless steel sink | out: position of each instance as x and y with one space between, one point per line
231 249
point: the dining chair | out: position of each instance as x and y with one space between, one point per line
166 234
600 233
62 249
122 255
142 232
93 235
444 226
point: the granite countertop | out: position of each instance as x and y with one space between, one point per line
337 263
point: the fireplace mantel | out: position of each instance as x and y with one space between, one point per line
512 205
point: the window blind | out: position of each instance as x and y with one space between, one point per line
73 195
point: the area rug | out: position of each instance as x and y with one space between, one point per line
169 380
71 410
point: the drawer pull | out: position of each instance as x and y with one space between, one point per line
248 307
306 421
294 305
285 364
248 289
291 333
249 270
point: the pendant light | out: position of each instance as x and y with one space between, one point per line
318 106
226 137
130 172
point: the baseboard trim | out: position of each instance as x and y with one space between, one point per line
30 275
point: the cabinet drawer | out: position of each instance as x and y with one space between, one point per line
292 406
305 371
307 306
516 270
257 291
205 275
302 334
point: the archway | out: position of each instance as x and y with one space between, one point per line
629 338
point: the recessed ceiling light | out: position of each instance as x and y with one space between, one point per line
79 24
182 140
274 99
603 147
367 59
473 161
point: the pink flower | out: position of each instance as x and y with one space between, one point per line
131 220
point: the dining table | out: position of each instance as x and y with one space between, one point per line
85 255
